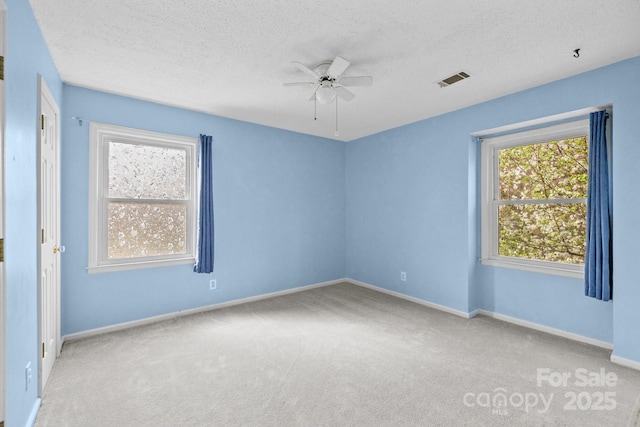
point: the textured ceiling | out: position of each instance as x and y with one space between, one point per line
230 57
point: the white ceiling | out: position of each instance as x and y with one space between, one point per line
230 57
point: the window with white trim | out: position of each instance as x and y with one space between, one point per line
142 209
534 190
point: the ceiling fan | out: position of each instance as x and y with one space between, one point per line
329 83
328 80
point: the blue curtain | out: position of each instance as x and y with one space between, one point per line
204 257
598 259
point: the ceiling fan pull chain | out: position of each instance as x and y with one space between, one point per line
315 108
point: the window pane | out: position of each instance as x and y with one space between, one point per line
550 170
147 172
146 229
548 232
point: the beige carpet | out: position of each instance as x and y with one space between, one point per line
336 356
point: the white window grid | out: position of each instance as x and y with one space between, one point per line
491 200
101 135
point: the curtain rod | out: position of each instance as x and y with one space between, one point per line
541 122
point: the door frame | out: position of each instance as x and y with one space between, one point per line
3 281
43 91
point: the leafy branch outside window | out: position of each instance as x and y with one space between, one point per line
542 209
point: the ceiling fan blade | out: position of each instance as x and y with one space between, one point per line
356 81
337 67
299 84
306 69
345 94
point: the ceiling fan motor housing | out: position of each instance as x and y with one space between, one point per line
323 68
325 94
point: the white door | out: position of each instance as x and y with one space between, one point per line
49 146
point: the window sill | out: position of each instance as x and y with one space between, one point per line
137 265
543 267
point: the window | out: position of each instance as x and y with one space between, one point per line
534 191
142 199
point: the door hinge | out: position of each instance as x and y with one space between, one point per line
1 67
42 121
1 250
43 350
42 233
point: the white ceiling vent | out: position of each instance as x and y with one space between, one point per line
453 79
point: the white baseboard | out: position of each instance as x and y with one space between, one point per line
525 323
531 325
34 413
155 319
547 329
622 361
504 318
414 299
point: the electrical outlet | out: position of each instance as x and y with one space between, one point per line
212 284
27 376
403 276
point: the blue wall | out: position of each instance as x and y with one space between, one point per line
293 210
279 214
412 206
27 56
407 211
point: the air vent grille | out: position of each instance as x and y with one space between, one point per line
453 79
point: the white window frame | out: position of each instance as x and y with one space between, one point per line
490 196
101 134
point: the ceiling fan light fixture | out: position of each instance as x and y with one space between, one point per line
325 93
